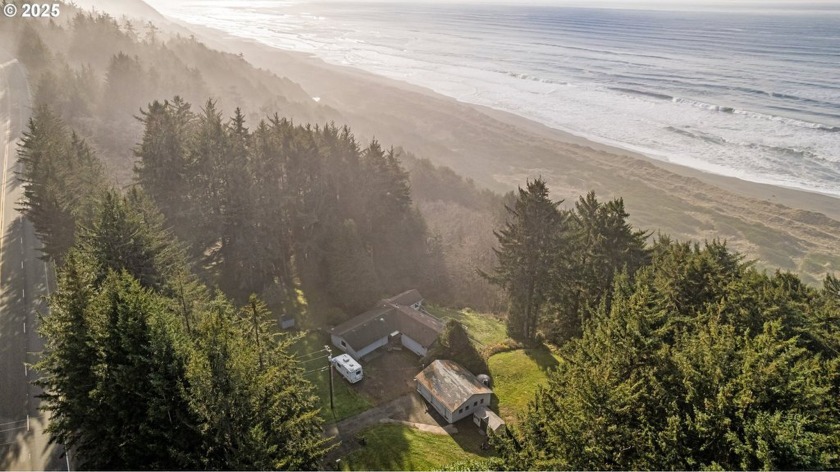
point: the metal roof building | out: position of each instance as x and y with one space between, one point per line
452 390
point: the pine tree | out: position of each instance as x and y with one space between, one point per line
238 227
351 277
126 86
255 408
603 245
529 257
61 178
144 416
162 167
127 234
68 366
699 362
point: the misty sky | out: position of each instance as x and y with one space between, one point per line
664 3
165 6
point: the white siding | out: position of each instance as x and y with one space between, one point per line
469 407
413 345
371 347
433 401
337 342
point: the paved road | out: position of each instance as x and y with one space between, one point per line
23 284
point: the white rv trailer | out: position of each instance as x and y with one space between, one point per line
348 367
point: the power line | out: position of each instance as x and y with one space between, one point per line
320 369
13 422
12 428
314 359
311 353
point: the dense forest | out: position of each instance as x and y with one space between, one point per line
676 355
98 75
182 232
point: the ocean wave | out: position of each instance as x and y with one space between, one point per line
523 76
621 83
643 93
696 134
757 115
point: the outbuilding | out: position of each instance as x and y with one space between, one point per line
452 390
487 420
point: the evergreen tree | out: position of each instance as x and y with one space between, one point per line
127 235
237 216
61 177
603 245
126 86
70 356
256 409
162 166
31 50
209 165
351 277
697 363
141 371
143 412
530 249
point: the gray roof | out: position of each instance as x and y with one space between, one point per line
419 326
450 383
386 318
494 421
407 298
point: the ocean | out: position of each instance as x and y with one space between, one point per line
747 94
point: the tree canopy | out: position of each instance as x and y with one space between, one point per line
701 362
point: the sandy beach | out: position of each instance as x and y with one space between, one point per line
779 227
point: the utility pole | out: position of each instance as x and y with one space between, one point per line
329 359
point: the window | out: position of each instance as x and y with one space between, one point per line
468 407
460 410
482 401
343 344
476 403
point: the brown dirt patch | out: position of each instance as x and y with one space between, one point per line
389 375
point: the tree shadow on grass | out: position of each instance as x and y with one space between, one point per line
381 447
543 358
455 344
470 438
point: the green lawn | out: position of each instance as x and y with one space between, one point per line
398 447
516 376
485 330
347 400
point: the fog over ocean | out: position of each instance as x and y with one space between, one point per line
747 94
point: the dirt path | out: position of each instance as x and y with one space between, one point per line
426 428
409 409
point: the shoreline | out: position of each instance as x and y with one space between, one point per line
324 80
787 196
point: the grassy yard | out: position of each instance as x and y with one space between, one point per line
516 376
485 330
348 401
398 447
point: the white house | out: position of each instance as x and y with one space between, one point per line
394 319
452 390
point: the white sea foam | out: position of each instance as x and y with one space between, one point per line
742 96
